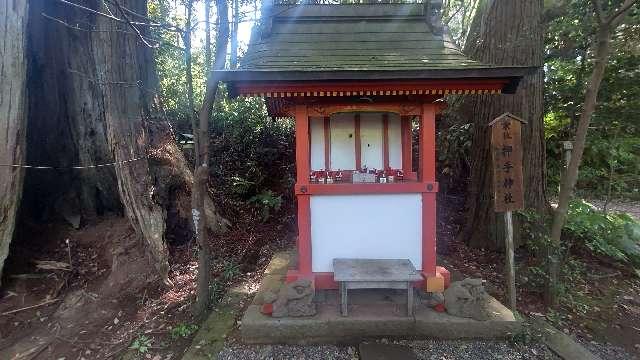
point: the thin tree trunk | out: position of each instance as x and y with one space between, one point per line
504 33
234 35
207 34
578 87
602 47
13 98
603 40
189 74
612 169
603 44
202 169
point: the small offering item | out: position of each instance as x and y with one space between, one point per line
359 177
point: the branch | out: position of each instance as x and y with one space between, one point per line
89 10
597 6
90 79
165 25
197 23
150 24
135 29
447 21
107 8
615 19
78 28
30 307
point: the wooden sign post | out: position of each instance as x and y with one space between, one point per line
506 150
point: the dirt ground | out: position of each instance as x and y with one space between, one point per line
111 295
629 206
601 307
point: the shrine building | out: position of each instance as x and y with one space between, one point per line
360 80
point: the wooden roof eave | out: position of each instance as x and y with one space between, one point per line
510 75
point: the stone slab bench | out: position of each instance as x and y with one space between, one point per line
374 274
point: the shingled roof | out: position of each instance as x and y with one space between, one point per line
357 42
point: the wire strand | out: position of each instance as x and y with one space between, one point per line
73 167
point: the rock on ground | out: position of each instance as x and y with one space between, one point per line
468 298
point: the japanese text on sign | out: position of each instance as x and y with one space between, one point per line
507 163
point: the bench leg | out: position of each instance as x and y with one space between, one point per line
343 298
409 299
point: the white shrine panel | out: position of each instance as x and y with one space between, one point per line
371 143
342 134
316 128
395 141
387 226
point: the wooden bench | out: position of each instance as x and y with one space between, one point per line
374 274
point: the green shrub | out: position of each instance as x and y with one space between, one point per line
252 156
267 202
611 161
230 270
616 235
216 290
454 152
141 344
612 235
183 330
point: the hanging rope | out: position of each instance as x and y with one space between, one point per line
73 167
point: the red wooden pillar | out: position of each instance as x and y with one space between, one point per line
385 141
427 173
303 168
327 143
358 145
427 165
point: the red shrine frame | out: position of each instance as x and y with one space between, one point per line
405 123
407 98
437 277
310 82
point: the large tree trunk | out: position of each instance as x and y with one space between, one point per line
13 68
127 106
93 89
66 121
505 32
91 103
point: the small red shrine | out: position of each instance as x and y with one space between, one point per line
359 79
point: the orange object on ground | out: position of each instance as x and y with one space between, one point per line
439 308
267 309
